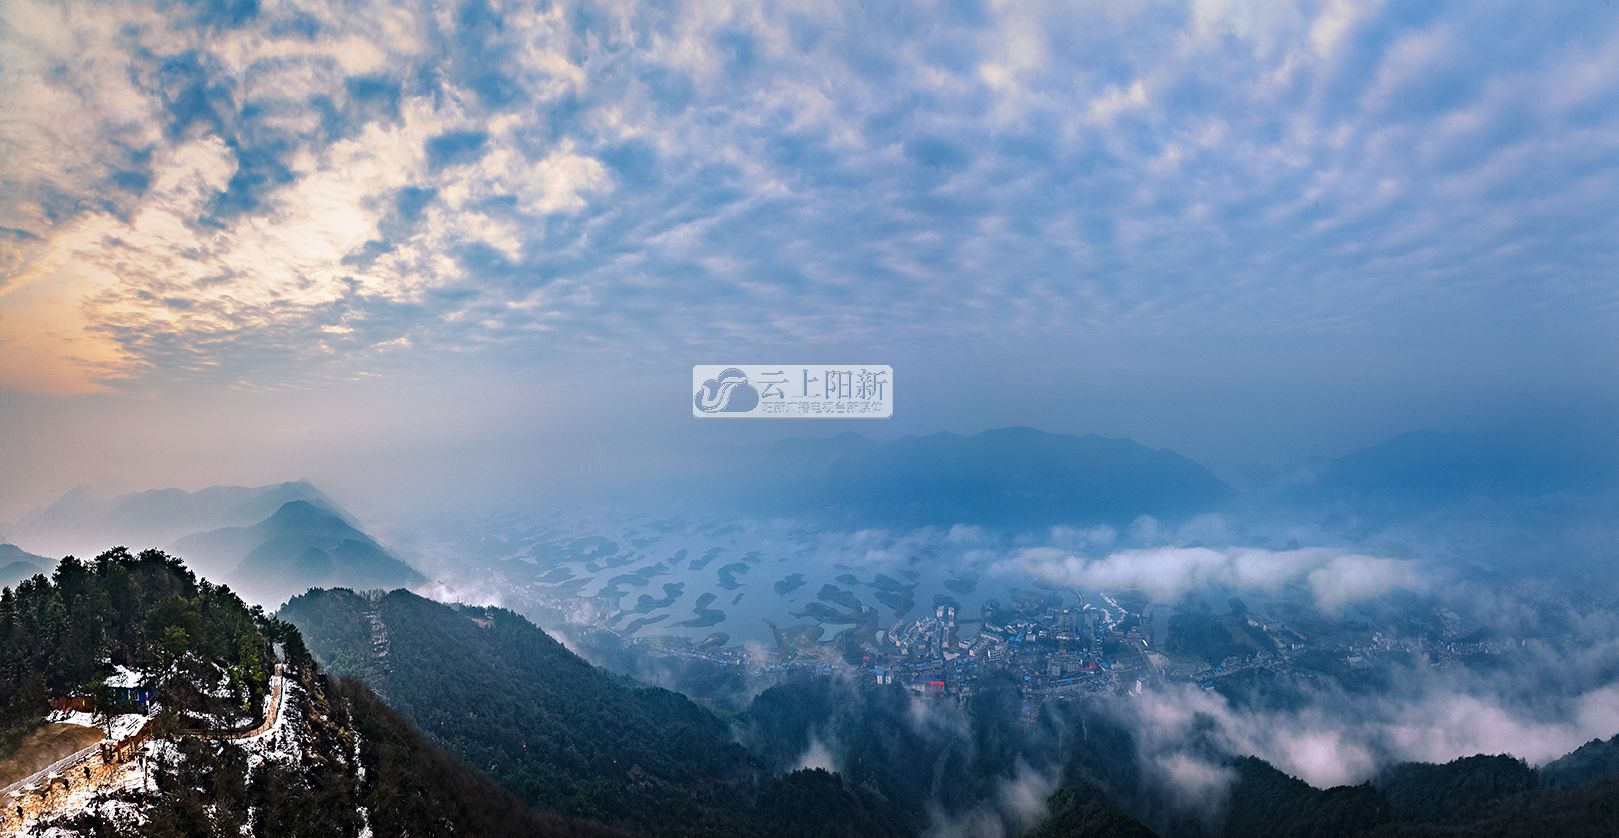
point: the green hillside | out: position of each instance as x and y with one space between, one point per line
339 763
558 732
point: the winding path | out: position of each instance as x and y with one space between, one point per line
271 714
73 777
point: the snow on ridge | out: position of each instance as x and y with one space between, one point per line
280 742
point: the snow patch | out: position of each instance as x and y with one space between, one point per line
281 742
124 678
123 725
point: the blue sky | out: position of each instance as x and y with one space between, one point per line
1215 210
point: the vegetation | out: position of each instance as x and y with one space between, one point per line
816 803
62 635
1215 637
1595 761
354 763
1267 802
1478 795
1423 793
596 753
558 732
913 761
407 786
883 752
1079 809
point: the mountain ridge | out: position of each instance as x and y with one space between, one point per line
17 564
327 756
554 729
82 522
302 545
1440 466
1014 476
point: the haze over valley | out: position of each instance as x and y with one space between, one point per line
808 420
1336 619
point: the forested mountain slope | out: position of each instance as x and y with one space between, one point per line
325 758
560 733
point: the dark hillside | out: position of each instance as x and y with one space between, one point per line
560 733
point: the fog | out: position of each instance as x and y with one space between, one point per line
439 436
1315 304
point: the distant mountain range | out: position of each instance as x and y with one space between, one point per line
1022 477
1427 467
302 545
273 541
266 542
84 523
1017 477
17 564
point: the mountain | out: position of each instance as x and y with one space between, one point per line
17 564
1595 761
816 803
556 731
1435 467
1014 477
252 735
882 747
1477 795
1264 801
1079 810
82 522
302 545
1425 793
308 755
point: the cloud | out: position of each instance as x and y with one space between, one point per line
1336 579
1023 796
1186 734
597 181
1542 699
817 755
1348 579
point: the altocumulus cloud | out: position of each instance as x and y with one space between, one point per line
254 193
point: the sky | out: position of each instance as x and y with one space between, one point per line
391 247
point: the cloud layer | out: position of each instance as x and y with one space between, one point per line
1335 739
1336 578
260 193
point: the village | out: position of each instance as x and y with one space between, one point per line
1114 646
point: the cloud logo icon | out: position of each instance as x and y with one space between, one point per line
728 392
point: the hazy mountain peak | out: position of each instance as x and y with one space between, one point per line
84 523
1447 465
304 512
1017 476
17 564
302 544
